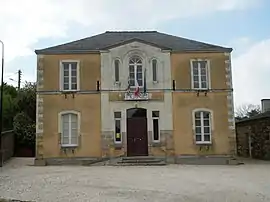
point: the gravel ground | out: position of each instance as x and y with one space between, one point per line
250 182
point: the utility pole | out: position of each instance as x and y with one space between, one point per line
1 104
19 79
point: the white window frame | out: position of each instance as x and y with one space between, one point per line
135 71
152 68
60 127
116 59
208 79
61 80
114 123
156 118
211 125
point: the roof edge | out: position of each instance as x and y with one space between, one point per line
59 52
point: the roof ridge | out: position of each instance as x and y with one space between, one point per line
150 31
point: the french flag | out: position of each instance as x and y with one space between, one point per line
137 88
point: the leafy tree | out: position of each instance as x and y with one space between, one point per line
26 100
9 106
25 119
25 129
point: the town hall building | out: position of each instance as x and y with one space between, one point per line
134 94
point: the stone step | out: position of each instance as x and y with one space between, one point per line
141 160
160 163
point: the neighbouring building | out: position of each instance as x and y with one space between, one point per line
253 134
137 93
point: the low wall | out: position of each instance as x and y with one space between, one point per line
7 151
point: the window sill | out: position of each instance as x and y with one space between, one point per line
203 143
118 145
201 89
70 91
157 144
69 146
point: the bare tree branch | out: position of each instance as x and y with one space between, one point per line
246 110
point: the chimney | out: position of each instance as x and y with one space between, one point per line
265 105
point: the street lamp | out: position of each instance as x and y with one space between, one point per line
1 104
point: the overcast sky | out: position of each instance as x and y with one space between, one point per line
241 24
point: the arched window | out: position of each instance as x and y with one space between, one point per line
116 70
202 126
69 122
154 69
135 71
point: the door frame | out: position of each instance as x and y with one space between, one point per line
137 113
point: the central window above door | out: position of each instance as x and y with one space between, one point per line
135 71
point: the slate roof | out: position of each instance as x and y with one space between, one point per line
110 39
257 117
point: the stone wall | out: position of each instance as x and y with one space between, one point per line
254 134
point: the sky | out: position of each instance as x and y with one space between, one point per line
243 25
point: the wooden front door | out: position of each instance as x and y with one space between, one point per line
137 141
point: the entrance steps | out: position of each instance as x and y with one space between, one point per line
141 161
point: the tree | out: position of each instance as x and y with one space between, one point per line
9 106
247 111
25 119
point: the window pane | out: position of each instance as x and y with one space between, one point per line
196 85
117 130
65 132
74 86
198 130
196 79
117 114
154 69
132 82
66 126
197 115
140 82
155 113
204 85
197 122
198 137
73 66
74 79
206 129
66 73
74 140
66 86
74 125
66 79
206 115
66 66
195 65
65 140
203 71
206 122
139 69
139 76
74 73
207 137
131 69
203 78
156 129
116 70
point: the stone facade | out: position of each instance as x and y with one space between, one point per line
253 138
230 105
39 108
